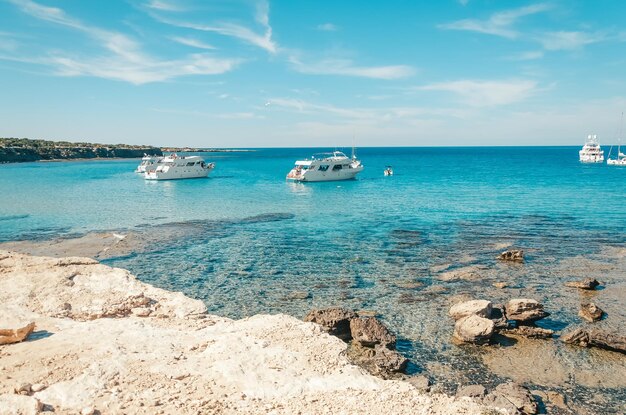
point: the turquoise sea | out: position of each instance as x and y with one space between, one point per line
246 241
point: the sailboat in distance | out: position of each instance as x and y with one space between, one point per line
621 157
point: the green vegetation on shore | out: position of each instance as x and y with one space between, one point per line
13 150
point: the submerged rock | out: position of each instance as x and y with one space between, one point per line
513 398
590 312
586 284
524 310
481 308
369 331
474 329
516 255
596 338
335 320
530 332
299 295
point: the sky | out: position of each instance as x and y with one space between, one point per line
304 73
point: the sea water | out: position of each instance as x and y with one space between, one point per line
246 241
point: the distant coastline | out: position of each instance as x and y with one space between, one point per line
19 150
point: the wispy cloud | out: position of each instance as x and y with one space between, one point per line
125 62
486 93
527 56
564 40
262 40
365 114
327 27
194 43
498 24
348 68
164 6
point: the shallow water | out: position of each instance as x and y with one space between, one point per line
246 242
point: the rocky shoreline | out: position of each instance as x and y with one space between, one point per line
14 150
513 346
106 343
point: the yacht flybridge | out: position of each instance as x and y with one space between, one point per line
591 151
326 167
175 167
146 162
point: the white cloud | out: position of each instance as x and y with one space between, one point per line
327 27
127 62
564 40
486 93
346 67
239 116
194 43
164 6
143 70
498 24
527 56
262 40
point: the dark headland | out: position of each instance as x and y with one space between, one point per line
16 150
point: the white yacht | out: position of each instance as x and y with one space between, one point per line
591 151
619 161
147 161
621 157
175 167
326 167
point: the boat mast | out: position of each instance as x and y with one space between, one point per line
619 138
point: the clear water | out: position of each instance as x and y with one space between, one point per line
246 241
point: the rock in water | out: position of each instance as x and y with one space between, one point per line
369 331
586 284
590 312
513 398
474 329
8 336
498 316
524 310
389 360
481 308
334 320
516 255
530 332
596 338
379 361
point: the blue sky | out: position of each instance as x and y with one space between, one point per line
313 73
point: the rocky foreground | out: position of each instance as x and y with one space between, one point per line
107 343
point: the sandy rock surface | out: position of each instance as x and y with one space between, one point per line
93 350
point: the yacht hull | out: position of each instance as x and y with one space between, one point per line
192 173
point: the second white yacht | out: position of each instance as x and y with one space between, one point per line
175 167
326 167
146 162
591 151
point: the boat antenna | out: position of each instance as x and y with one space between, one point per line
353 149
